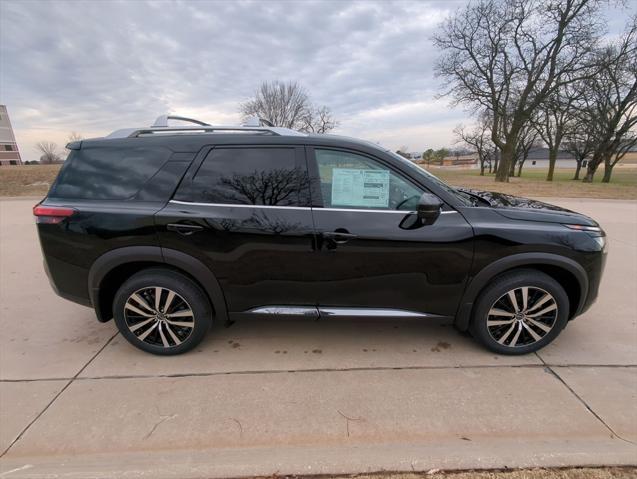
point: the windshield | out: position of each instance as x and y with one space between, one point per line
462 196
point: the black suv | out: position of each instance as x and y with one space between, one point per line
168 228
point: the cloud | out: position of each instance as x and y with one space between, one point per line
94 67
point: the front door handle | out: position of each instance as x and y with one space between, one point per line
339 236
183 228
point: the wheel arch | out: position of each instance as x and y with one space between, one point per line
112 268
566 271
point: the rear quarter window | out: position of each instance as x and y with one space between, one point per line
108 173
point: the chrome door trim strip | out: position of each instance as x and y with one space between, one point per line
302 208
354 210
285 310
371 312
335 312
402 212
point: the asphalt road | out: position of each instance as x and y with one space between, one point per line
286 397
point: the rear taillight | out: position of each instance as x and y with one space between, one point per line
52 214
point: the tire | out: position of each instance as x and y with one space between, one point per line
175 324
498 327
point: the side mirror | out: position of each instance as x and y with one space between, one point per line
428 208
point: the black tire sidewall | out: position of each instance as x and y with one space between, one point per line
501 286
177 282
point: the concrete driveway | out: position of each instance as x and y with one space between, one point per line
283 397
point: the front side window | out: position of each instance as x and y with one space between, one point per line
250 176
349 180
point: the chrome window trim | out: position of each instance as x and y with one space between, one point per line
224 205
303 208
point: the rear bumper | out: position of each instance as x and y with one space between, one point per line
67 281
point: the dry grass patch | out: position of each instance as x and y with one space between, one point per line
29 180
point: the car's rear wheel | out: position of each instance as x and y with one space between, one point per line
162 312
520 312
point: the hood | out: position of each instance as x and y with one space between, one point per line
519 208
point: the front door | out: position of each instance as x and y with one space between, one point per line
245 213
372 260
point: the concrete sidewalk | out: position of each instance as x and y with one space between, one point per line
283 397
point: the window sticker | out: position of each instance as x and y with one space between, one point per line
368 188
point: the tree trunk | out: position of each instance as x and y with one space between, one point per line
577 170
482 168
552 161
598 158
520 165
608 169
590 172
507 155
512 169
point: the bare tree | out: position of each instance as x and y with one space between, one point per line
506 57
553 119
288 105
319 120
613 112
579 140
73 137
49 152
479 139
527 139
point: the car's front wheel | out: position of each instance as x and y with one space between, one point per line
520 312
162 311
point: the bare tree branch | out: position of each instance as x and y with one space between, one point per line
611 114
288 105
49 152
507 57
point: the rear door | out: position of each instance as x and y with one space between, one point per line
374 258
245 212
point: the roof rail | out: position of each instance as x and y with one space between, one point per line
162 121
257 125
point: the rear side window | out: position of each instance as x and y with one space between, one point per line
108 173
250 176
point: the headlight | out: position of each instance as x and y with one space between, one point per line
587 229
594 231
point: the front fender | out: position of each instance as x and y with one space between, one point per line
482 278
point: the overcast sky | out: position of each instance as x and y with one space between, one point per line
96 66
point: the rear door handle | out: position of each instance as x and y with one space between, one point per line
339 237
183 229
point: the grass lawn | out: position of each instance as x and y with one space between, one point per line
34 180
623 183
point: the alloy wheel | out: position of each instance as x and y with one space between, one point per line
159 316
522 316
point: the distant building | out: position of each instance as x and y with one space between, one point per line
539 158
465 160
9 154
